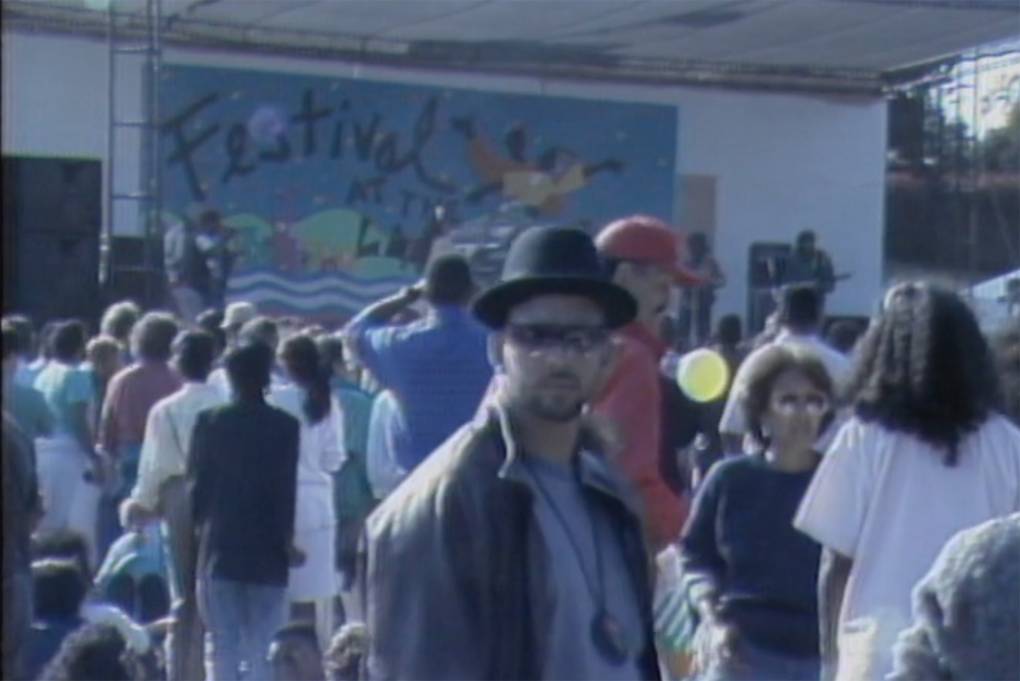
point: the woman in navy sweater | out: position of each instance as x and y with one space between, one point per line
750 575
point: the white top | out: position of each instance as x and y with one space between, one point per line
174 243
385 427
168 431
887 501
321 451
733 420
321 454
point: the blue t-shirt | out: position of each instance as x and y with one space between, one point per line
437 367
64 387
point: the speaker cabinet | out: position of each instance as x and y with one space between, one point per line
52 214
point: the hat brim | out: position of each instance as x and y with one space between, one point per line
493 305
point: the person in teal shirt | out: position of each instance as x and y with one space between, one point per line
30 411
68 389
69 468
24 404
353 497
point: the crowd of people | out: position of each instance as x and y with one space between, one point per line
509 483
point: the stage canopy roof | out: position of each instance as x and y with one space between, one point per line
834 45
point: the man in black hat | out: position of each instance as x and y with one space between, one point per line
514 551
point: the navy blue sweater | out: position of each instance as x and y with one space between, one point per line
740 534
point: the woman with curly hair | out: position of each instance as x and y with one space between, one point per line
750 576
926 454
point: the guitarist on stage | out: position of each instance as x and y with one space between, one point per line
807 265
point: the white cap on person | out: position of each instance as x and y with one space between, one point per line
238 314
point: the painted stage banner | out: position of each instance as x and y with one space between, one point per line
337 191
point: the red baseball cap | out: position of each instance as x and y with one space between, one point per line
642 238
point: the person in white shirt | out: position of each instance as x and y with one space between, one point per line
799 317
308 398
386 427
160 492
187 274
235 317
926 454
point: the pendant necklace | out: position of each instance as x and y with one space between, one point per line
606 631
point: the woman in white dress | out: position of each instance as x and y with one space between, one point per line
316 582
69 468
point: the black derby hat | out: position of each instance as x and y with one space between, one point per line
544 260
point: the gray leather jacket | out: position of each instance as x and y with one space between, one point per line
455 563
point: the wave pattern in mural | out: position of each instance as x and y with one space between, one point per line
335 192
315 295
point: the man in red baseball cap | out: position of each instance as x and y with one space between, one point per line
643 256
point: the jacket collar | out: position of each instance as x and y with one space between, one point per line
592 469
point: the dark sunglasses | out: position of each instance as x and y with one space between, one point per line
543 337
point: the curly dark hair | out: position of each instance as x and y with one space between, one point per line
764 367
924 368
301 357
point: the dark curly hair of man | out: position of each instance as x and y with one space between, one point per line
924 368
93 652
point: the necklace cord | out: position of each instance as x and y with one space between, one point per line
598 594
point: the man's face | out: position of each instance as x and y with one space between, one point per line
554 350
650 284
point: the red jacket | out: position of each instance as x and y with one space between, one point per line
632 401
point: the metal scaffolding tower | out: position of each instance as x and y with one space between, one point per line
127 42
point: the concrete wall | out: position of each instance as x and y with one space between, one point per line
777 163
